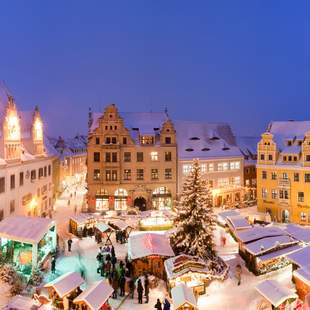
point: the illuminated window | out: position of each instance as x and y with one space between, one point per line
274 194
154 156
237 180
127 174
187 168
303 216
154 174
96 175
264 193
225 166
235 165
222 182
211 167
168 174
140 174
203 168
145 140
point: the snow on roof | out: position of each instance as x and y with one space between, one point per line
238 222
122 225
292 149
103 227
303 274
279 253
96 295
300 233
266 244
182 295
149 243
182 264
25 228
205 140
66 283
81 218
274 292
301 257
248 145
258 232
19 302
223 215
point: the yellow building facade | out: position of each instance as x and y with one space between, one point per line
283 172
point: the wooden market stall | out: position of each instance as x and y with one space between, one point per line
81 224
27 242
190 270
105 232
148 251
95 297
122 227
183 298
301 278
275 293
64 288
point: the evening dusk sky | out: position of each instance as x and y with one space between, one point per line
241 62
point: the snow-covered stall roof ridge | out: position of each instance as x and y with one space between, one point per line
301 257
303 274
82 218
96 295
267 244
182 264
238 222
183 295
149 243
66 283
283 252
274 292
222 216
205 140
103 227
259 232
25 229
300 233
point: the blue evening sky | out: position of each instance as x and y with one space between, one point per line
242 62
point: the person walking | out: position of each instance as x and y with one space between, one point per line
158 305
113 261
112 251
69 244
166 304
131 286
122 282
140 291
53 265
146 288
238 273
114 285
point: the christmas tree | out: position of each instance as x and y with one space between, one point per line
195 221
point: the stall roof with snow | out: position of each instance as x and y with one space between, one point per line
279 253
301 257
300 233
25 229
183 295
274 292
103 227
120 224
96 295
81 218
66 283
182 264
303 274
238 222
259 232
147 244
222 216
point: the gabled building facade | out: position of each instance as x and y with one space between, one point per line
26 186
132 161
283 172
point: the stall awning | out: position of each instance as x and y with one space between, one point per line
146 244
274 292
183 295
303 274
66 283
279 253
25 229
121 225
103 227
301 257
96 295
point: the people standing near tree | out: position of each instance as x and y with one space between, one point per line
53 264
69 244
166 304
140 291
158 305
146 288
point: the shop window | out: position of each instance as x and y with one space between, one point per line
168 156
12 181
139 156
96 174
127 174
96 157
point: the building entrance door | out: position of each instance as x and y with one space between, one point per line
285 216
140 203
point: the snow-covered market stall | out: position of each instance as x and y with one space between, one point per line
264 249
95 297
19 302
148 251
122 229
276 294
104 231
156 220
26 242
190 270
64 289
183 298
80 224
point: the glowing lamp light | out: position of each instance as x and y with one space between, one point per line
13 132
215 192
38 129
33 204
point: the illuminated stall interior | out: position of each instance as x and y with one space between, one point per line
156 220
26 242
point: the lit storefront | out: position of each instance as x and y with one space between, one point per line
161 198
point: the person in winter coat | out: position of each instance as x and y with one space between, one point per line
140 291
122 282
238 273
69 244
146 288
114 285
112 251
131 286
158 305
53 264
166 304
113 261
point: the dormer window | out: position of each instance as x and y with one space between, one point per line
189 150
167 140
194 138
147 140
289 143
205 149
156 129
225 148
215 138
